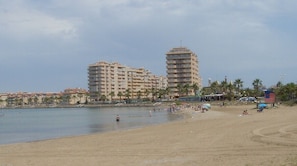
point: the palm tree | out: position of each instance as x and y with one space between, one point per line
111 95
103 98
120 94
214 87
223 86
179 89
230 88
186 89
8 101
238 83
257 83
154 94
279 84
195 88
30 101
147 92
1 101
35 100
68 97
98 95
139 94
127 94
45 100
167 91
162 93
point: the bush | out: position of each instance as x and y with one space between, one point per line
290 103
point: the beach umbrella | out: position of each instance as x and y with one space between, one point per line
204 108
206 105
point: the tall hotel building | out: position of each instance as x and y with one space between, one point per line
182 69
106 78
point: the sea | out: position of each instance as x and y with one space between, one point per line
36 124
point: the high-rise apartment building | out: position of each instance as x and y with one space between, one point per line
113 80
182 69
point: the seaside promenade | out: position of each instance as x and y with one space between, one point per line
221 136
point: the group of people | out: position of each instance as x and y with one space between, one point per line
245 112
260 109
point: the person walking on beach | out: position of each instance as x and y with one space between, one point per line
118 118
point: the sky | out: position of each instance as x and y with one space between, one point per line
46 46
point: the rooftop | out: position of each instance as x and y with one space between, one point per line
179 50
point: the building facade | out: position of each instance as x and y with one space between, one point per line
70 96
113 81
182 69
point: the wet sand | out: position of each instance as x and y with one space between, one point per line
221 136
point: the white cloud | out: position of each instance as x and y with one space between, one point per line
21 22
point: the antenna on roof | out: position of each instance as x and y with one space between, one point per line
181 43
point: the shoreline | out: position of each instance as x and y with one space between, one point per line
79 106
185 115
217 137
88 105
156 104
152 118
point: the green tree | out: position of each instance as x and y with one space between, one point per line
103 98
35 100
230 89
195 88
120 94
247 92
162 93
97 95
257 84
154 93
68 97
214 86
139 94
80 95
287 92
167 91
223 86
30 100
279 84
111 94
45 100
179 89
147 93
238 83
186 89
127 94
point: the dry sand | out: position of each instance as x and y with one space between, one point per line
218 137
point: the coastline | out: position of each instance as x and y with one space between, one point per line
81 105
217 137
26 125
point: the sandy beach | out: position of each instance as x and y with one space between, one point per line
221 136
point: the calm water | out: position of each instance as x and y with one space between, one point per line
25 125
